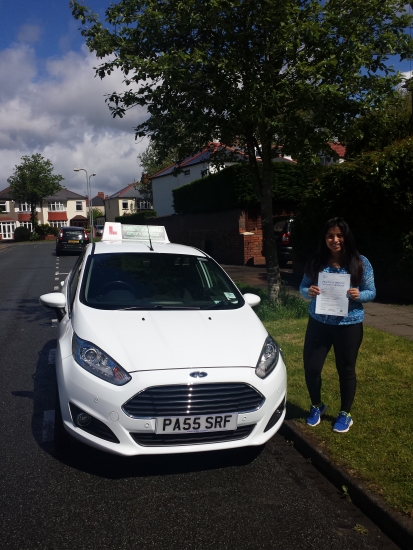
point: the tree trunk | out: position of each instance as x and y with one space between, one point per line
33 215
264 185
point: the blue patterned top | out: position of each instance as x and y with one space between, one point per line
355 307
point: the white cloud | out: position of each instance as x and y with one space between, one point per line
58 109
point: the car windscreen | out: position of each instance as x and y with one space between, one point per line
157 281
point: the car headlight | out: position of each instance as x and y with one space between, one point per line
268 359
97 362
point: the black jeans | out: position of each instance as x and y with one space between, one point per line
346 341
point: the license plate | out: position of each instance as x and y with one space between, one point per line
196 424
73 242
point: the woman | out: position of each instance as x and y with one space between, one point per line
337 253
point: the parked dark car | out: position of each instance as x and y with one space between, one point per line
71 239
282 229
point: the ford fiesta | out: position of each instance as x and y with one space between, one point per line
159 352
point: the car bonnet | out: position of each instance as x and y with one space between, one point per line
171 339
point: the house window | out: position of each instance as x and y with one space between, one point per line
79 205
26 224
144 205
57 224
125 205
187 172
4 206
7 229
56 206
23 206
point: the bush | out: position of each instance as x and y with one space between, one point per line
46 229
22 234
233 187
54 230
136 219
34 236
374 193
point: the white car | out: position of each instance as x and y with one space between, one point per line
159 352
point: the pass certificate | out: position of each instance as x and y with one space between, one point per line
333 299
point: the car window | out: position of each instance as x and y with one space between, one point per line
157 281
76 234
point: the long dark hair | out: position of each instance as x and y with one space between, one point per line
351 260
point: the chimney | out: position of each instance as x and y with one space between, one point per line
101 194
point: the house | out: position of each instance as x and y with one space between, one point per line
63 208
337 155
97 202
192 168
126 201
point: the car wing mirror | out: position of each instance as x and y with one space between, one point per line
56 301
252 299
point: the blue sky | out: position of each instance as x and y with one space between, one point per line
53 104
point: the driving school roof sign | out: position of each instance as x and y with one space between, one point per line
115 231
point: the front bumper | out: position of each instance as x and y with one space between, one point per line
78 389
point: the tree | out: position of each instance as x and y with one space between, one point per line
97 213
152 161
381 126
145 187
255 73
33 180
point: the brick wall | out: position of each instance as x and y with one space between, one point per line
231 237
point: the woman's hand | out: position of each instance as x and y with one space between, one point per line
313 291
354 293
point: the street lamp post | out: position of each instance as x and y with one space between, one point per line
89 190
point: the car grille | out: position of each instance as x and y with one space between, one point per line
194 399
168 440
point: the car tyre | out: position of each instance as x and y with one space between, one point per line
57 252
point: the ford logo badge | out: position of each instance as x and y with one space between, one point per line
198 374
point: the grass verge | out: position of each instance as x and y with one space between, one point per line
290 306
379 447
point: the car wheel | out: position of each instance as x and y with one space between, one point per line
57 252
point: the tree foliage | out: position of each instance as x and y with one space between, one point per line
97 213
232 188
381 126
256 73
374 193
33 180
153 161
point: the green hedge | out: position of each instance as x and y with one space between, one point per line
136 219
233 188
374 194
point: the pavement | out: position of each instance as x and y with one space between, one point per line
393 319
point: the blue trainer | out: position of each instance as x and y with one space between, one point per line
313 418
343 422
